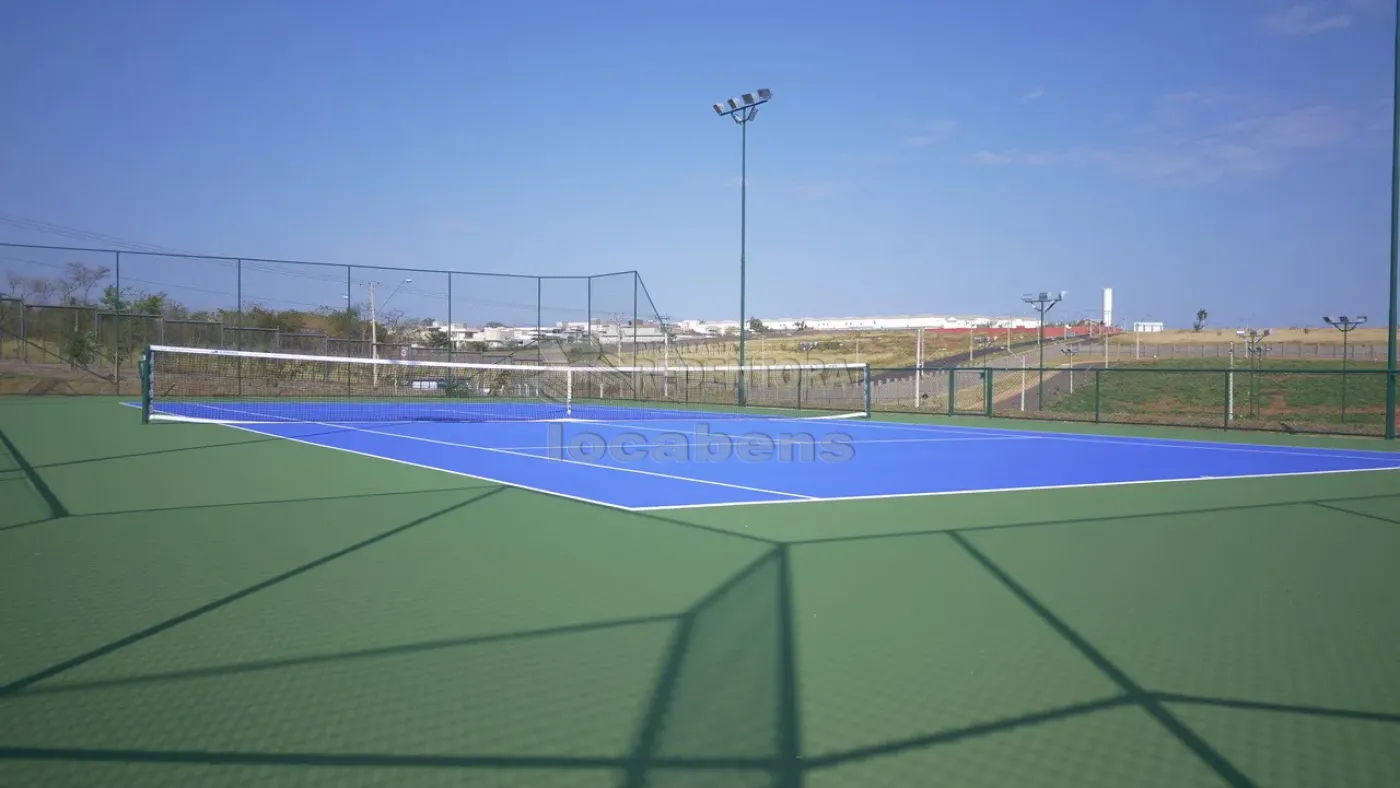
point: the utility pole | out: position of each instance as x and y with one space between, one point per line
374 324
1345 325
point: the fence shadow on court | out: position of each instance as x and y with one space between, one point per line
724 707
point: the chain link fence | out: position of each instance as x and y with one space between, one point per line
96 309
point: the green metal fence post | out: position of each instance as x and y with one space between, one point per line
117 334
1098 395
952 390
1229 396
868 410
987 392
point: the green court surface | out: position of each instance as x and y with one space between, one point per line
191 605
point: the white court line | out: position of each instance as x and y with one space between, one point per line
880 496
334 425
431 467
1128 440
793 442
514 453
409 463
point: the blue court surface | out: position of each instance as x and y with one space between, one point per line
660 463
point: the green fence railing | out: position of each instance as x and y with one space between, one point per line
1327 401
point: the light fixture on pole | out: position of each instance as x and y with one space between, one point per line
1071 351
1254 347
1345 325
742 110
1042 302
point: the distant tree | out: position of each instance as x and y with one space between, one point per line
79 280
437 338
115 300
31 289
149 303
81 347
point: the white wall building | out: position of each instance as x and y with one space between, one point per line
894 323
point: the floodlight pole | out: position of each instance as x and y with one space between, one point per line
1345 325
1253 339
742 110
1395 237
1071 351
1390 368
1043 302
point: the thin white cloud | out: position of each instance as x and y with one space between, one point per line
1211 96
451 225
1305 20
1247 146
1030 96
932 134
818 190
1026 158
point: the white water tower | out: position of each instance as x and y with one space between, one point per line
1108 306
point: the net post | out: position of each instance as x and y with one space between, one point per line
145 373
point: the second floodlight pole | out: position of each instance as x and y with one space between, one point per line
742 110
1070 351
1043 302
1345 325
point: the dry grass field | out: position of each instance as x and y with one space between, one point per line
889 349
1324 334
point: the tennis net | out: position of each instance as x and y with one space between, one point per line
250 387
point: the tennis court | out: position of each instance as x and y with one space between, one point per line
269 597
674 463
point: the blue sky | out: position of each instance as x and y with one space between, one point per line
918 157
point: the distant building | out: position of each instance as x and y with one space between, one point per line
895 323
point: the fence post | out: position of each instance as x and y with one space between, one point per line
869 407
952 390
987 391
117 334
1098 395
1229 394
